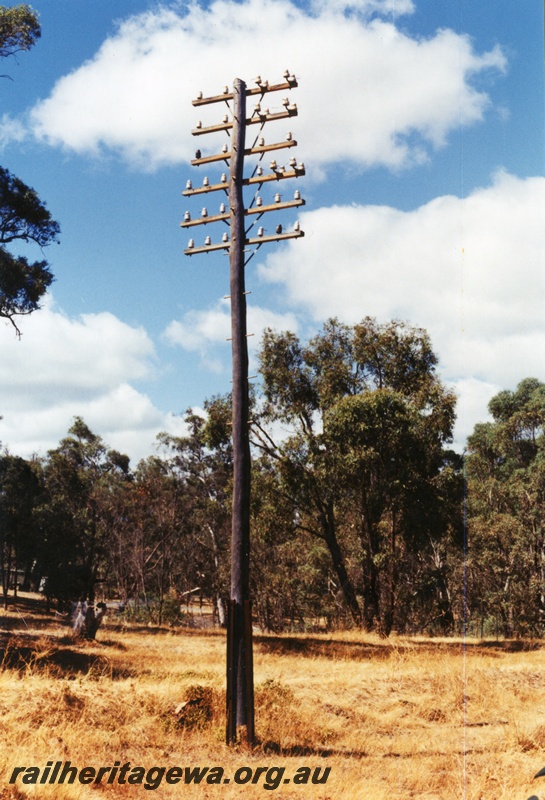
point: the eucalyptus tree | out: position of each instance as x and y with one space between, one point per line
20 492
369 420
505 467
19 29
147 542
202 461
292 585
23 216
82 478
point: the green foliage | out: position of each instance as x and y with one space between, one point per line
22 214
361 468
19 29
23 217
20 491
22 285
82 479
202 464
355 510
506 511
291 572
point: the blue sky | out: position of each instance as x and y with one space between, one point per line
421 127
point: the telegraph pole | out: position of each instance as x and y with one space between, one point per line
240 700
240 691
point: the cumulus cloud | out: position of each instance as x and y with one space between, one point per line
377 95
11 130
202 331
64 367
470 271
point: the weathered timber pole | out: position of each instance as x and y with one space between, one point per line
242 246
240 701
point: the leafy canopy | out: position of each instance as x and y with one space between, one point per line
23 216
505 469
362 465
19 29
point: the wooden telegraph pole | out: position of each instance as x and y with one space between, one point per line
241 248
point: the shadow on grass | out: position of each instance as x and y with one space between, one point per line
162 630
270 747
28 656
311 647
482 646
25 613
326 648
15 620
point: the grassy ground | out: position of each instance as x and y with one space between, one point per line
402 718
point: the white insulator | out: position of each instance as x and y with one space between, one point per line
225 237
260 170
288 136
204 212
206 182
191 244
261 141
187 216
224 149
277 198
301 166
257 80
259 201
223 177
286 101
189 185
293 161
297 227
297 195
199 96
286 74
225 90
260 232
226 118
199 124
273 164
208 241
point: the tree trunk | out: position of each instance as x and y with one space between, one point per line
389 580
347 588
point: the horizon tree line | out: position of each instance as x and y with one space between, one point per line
362 515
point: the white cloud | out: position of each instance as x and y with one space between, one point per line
473 398
376 95
364 7
63 357
11 130
62 368
471 271
203 331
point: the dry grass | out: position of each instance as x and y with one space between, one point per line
403 718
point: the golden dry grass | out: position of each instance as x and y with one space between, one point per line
400 718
